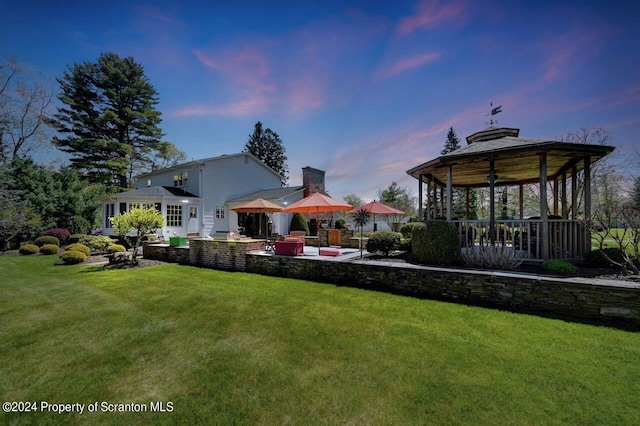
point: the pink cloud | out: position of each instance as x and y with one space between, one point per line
406 64
429 15
251 106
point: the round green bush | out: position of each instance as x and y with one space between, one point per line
340 223
560 267
28 249
79 247
71 257
299 223
75 238
383 242
49 249
407 228
60 233
436 243
78 225
47 239
116 248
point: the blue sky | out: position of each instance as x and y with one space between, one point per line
361 89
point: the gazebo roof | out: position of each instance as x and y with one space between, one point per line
516 160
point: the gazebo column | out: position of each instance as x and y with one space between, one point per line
449 192
420 197
492 200
468 202
544 215
574 193
555 196
441 213
563 195
587 203
521 200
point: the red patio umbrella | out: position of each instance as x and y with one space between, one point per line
317 203
376 207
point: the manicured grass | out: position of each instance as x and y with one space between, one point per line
234 348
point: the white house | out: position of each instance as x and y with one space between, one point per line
196 197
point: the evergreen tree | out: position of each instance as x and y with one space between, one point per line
452 143
109 117
267 146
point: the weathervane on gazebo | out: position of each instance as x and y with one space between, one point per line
494 111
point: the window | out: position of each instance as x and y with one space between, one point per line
109 211
181 179
193 212
219 212
148 183
174 214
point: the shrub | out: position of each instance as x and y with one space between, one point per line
116 248
560 267
49 249
340 223
383 242
60 233
492 257
78 225
299 223
596 258
47 239
79 247
98 243
28 249
75 238
407 228
436 243
71 257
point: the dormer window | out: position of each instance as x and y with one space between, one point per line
181 179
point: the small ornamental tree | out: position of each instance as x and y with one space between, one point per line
142 220
361 218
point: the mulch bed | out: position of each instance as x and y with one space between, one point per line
607 273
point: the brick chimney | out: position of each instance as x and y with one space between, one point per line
312 180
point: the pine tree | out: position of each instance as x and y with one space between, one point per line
109 117
452 143
267 146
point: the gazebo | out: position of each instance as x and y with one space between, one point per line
497 157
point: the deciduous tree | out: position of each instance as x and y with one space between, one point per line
141 220
24 105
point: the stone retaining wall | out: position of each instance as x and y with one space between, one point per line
595 301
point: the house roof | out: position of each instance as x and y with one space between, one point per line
269 194
516 160
152 192
197 163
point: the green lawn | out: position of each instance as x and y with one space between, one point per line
235 348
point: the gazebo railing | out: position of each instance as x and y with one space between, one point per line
566 239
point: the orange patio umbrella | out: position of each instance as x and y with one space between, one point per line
376 207
258 205
317 203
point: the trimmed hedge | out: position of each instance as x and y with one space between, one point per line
116 248
71 257
383 242
436 243
596 258
408 228
560 267
299 223
79 247
49 249
47 239
28 249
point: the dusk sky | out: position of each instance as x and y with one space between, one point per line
364 90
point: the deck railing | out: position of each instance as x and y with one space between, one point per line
566 239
